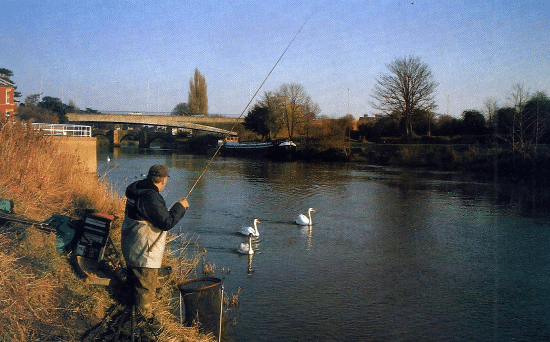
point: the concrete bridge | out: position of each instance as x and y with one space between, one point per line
143 136
219 125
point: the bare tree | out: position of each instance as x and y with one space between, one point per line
525 122
310 112
72 106
290 107
197 99
298 106
538 110
408 88
518 97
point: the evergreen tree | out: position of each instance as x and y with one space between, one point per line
256 121
197 99
180 109
55 105
6 74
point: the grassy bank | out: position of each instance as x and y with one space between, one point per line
439 156
448 157
468 157
41 298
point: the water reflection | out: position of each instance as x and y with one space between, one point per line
308 232
249 269
528 199
411 255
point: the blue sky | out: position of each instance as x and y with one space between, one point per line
140 55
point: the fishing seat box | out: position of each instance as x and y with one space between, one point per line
93 236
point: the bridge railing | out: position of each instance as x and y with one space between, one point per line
63 130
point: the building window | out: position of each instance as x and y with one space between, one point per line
7 97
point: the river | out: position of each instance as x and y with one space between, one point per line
392 255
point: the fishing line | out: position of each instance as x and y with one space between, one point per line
247 105
244 110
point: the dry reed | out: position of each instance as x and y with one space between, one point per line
40 296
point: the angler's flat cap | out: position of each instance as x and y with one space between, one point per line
158 170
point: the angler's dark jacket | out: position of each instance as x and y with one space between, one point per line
142 234
144 203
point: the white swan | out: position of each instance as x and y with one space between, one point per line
304 220
251 230
246 248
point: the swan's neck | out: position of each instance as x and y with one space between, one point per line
255 228
309 213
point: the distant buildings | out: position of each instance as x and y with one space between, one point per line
8 105
366 118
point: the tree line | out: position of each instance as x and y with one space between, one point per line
404 97
290 108
522 125
48 109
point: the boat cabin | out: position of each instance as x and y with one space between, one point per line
228 140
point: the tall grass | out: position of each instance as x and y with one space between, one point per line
41 180
41 298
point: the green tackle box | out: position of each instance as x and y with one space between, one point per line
6 206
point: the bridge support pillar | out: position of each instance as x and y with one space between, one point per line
116 138
143 139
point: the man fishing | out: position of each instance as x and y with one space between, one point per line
143 236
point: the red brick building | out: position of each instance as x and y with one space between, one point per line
8 105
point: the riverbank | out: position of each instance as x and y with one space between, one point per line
446 157
435 154
41 297
484 159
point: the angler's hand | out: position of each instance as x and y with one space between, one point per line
184 203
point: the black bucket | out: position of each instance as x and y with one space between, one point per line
202 300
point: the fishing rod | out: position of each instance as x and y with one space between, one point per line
244 110
247 105
43 226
